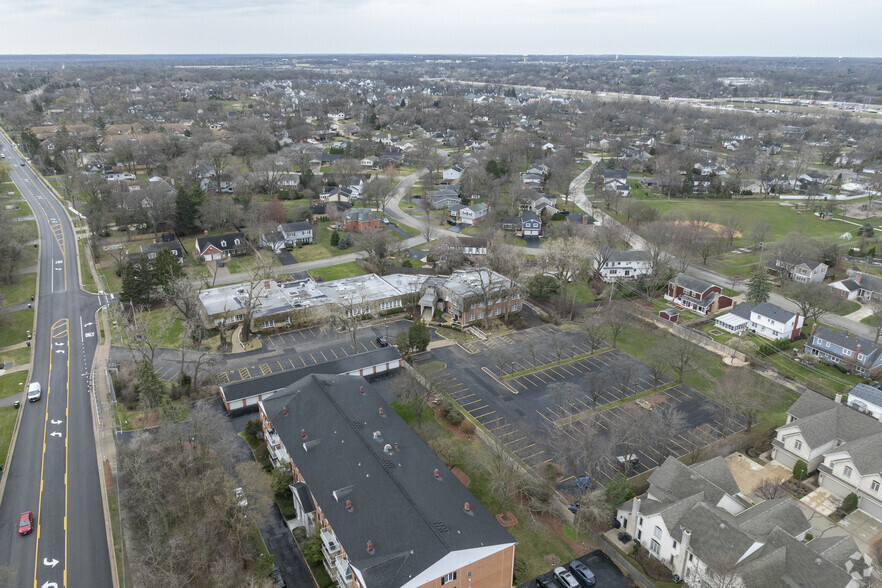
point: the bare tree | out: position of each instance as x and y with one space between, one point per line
615 320
259 273
380 247
505 260
814 299
731 226
743 393
679 355
503 474
771 488
217 155
565 259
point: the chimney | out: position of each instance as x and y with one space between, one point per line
349 505
680 567
632 520
205 233
266 285
838 399
814 328
303 433
437 474
370 546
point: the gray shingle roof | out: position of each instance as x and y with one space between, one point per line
867 393
784 561
865 453
631 255
773 312
743 310
412 518
693 284
823 420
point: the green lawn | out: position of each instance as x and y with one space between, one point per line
8 415
848 307
583 292
321 247
13 383
16 332
782 219
407 229
166 324
109 279
336 272
85 275
20 291
870 320
18 357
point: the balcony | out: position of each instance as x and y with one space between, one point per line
276 449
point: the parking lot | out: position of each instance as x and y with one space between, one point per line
522 415
606 574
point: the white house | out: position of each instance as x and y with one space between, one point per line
294 233
452 173
472 214
625 265
764 319
866 399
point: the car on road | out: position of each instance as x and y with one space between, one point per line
565 578
583 573
382 342
25 523
643 403
22 164
385 221
35 391
276 576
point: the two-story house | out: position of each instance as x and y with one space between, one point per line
531 224
802 271
616 180
388 512
220 247
471 214
445 197
697 295
296 233
358 220
767 320
860 356
151 250
695 520
625 265
452 173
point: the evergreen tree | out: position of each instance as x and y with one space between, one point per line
419 336
150 388
335 239
166 268
758 287
187 208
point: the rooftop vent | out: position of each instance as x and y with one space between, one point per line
387 448
467 509
440 527
303 433
349 505
378 436
437 474
388 463
358 424
310 444
361 389
380 412
285 411
370 547
341 492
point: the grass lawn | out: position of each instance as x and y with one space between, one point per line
407 229
782 219
85 275
848 307
21 290
16 356
8 415
336 272
822 378
109 279
583 292
16 332
511 240
166 324
870 320
321 247
13 383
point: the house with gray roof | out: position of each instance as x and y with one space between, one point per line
296 233
802 270
697 295
388 512
866 399
869 285
766 320
856 354
625 265
695 521
848 289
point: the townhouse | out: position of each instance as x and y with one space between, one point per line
388 512
695 520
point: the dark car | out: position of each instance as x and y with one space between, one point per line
276 576
540 583
381 341
25 523
451 222
583 573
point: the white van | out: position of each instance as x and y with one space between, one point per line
34 391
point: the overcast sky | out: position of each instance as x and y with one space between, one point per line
835 28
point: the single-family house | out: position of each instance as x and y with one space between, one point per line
625 265
531 224
697 295
537 202
869 285
296 233
274 241
847 289
803 271
471 214
695 520
866 399
452 173
467 245
388 512
446 197
765 319
151 250
289 180
585 220
358 220
370 162
220 247
856 354
617 180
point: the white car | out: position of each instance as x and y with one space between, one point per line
565 578
240 497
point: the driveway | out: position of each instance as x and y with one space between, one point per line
749 474
607 574
285 257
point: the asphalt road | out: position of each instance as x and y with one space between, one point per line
54 471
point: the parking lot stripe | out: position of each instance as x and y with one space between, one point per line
512 432
244 373
480 416
471 402
323 355
265 369
224 378
488 423
540 452
516 440
525 447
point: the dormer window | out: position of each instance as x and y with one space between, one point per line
237 241
223 243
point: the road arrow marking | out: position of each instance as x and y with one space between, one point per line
56 422
59 351
55 434
49 585
50 562
88 324
60 344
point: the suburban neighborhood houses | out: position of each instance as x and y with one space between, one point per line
418 320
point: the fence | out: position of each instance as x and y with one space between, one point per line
695 337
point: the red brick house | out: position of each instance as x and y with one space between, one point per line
358 220
697 295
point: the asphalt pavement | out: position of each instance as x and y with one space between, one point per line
53 468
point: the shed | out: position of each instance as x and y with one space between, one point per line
670 314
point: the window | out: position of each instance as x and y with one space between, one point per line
846 471
654 547
639 535
690 557
268 324
861 356
223 243
640 521
847 352
797 444
237 241
657 533
674 544
875 486
448 578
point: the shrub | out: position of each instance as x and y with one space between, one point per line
624 536
521 570
800 470
558 216
252 427
467 427
850 502
809 536
455 417
407 263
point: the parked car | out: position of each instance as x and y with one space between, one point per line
583 573
630 459
583 482
643 403
25 523
565 578
381 341
276 576
385 221
540 583
451 222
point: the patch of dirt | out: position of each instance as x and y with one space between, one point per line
507 520
143 421
461 476
552 559
455 429
108 475
715 227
